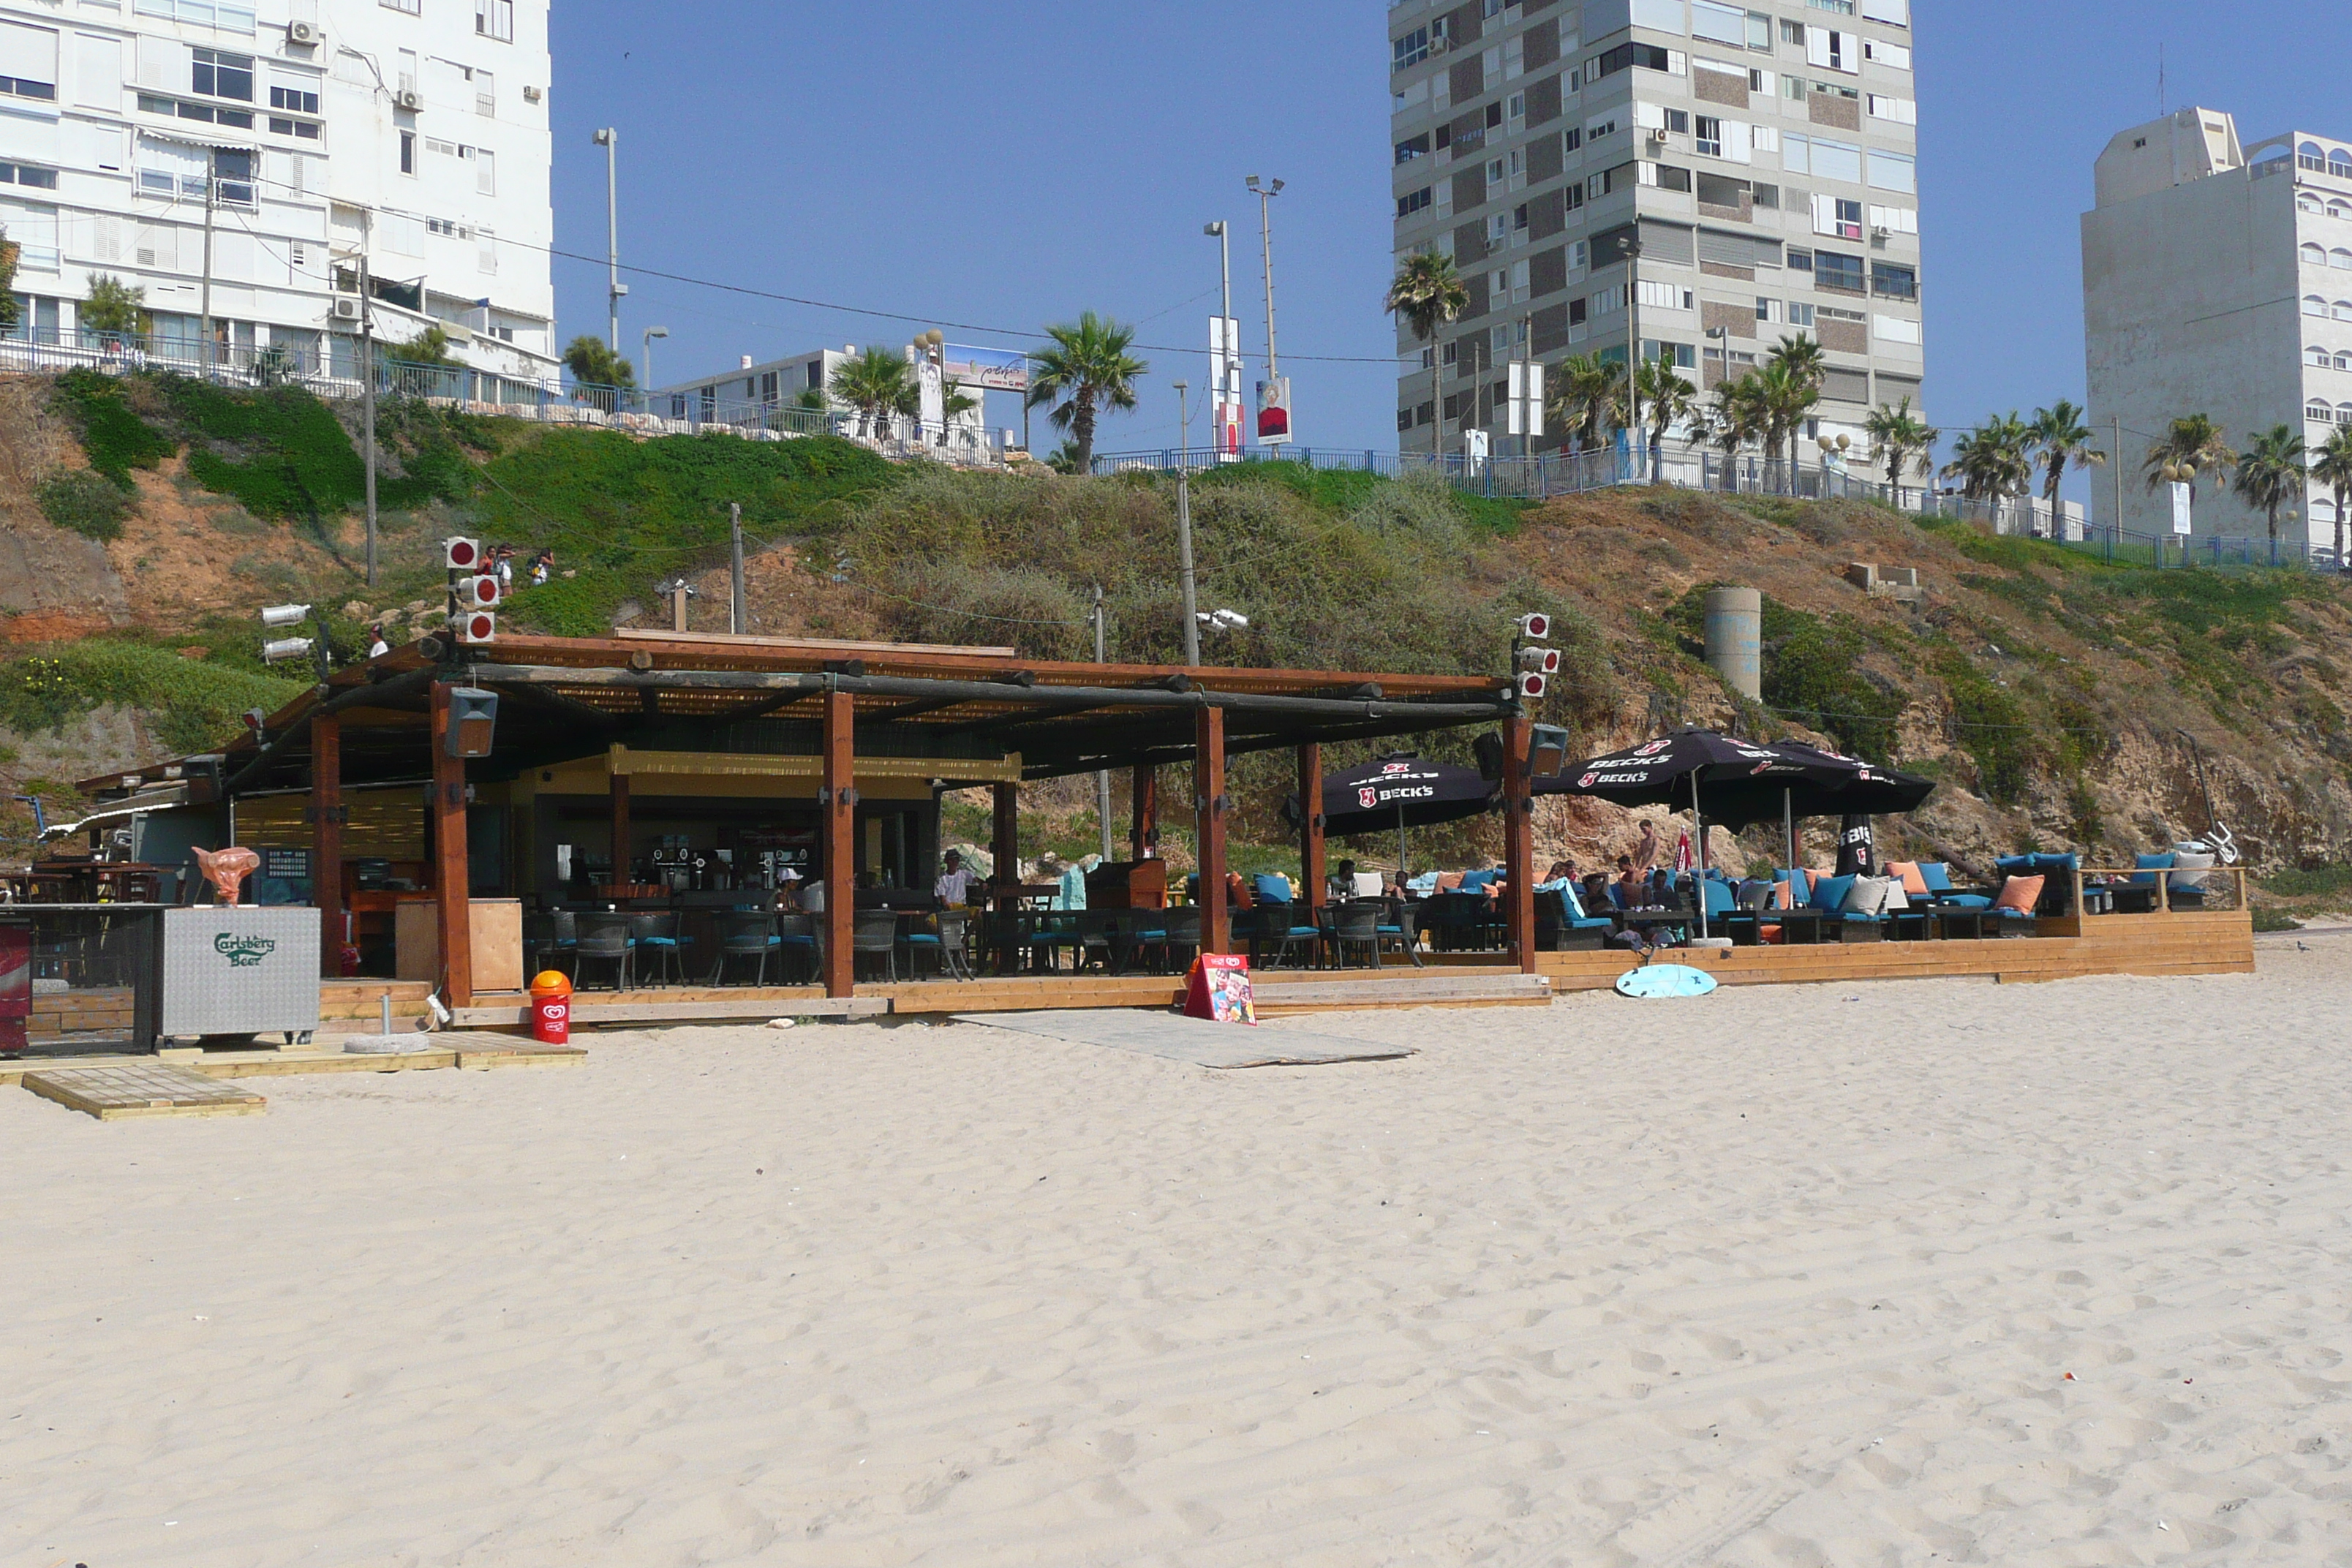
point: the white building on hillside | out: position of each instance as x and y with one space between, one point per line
754 391
2218 281
409 135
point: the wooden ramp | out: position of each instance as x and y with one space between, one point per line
144 1089
1441 989
642 1008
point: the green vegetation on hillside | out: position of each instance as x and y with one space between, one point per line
192 704
85 502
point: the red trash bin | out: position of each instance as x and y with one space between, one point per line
550 1008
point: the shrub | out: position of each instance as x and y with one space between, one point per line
116 440
86 503
192 705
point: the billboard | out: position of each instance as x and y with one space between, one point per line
993 369
1527 411
1274 411
1225 383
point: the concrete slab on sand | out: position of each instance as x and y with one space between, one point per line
1179 1039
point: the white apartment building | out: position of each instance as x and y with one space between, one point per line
1764 157
755 388
2217 280
409 135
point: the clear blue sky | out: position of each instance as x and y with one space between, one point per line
1009 165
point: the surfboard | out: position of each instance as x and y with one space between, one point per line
1665 979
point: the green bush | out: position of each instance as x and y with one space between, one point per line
1995 728
1811 671
2313 882
192 705
283 453
86 503
116 440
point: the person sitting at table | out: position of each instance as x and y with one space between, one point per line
954 886
1631 888
1341 885
1596 892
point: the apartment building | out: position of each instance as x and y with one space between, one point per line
2217 279
400 141
1764 161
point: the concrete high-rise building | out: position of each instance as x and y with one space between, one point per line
411 133
1765 158
2218 281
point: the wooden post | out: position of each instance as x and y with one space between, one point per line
327 839
1310 825
1520 844
1143 836
617 786
1209 817
839 810
451 895
1004 845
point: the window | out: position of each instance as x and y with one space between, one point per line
1666 297
1765 196
1413 202
1893 171
1800 260
1708 138
1676 120
1793 86
1768 309
234 166
2309 156
29 62
413 7
1518 109
2339 162
28 176
219 74
1835 217
2313 305
1799 313
181 108
1843 7
1409 50
1793 33
2341 310
1519 217
2314 255
1576 312
1894 283
1493 173
1895 56
1724 24
2318 412
2304 201
1412 147
280 126
495 19
486 95
1498 228
1901 110
2339 210
486 176
1571 139
1665 176
1649 57
2319 357
294 99
1832 270
2340 257
408 152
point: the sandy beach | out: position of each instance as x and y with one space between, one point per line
1844 1275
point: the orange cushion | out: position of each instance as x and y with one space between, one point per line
1782 895
2020 893
1909 871
1449 881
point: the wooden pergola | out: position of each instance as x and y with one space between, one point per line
969 715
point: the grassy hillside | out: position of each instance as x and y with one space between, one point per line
2048 689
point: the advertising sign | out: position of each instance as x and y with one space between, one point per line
1225 397
987 370
931 384
1218 989
1274 411
1527 414
2181 508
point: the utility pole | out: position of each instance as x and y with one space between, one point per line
1633 249
367 393
1185 528
1102 776
737 621
609 140
2115 462
212 192
1227 390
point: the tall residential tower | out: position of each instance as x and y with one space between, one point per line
409 135
2218 281
1764 159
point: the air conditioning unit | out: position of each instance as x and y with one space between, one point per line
303 34
409 99
1880 232
347 310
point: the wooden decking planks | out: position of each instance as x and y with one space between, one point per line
144 1089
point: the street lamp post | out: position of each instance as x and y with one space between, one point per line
651 333
1184 527
1266 194
610 140
1631 248
1227 390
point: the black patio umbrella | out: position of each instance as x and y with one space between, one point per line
1737 782
1402 790
1850 788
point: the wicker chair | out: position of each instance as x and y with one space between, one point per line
743 935
605 938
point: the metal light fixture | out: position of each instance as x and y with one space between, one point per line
278 615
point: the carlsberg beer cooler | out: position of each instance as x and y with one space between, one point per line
247 969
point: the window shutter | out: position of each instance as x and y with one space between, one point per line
28 54
1817 46
1738 147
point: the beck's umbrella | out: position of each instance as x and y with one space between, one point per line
1403 791
1850 788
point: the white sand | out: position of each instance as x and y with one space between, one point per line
1785 1276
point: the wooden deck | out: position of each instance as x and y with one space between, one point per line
143 1087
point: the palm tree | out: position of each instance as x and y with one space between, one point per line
2271 474
1782 393
1666 400
1427 293
1733 421
877 384
596 369
1590 396
1994 462
2331 465
2193 442
1088 369
2061 438
1903 440
1801 360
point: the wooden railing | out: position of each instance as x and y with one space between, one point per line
2214 878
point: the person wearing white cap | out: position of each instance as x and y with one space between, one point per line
954 887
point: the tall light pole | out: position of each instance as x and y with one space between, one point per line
1631 248
1102 775
1184 528
651 333
1266 194
609 140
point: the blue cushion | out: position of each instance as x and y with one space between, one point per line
1937 875
1593 923
2152 863
796 941
1476 881
1829 893
1305 931
2036 865
1966 901
1269 889
1721 899
923 939
2014 914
